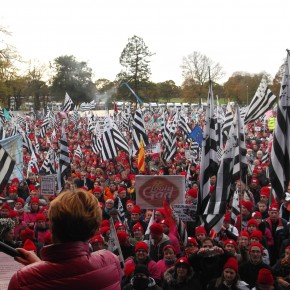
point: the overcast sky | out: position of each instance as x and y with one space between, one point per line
245 35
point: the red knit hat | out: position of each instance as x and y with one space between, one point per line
105 223
247 204
34 200
162 211
97 189
257 234
40 217
12 188
122 236
6 206
256 244
232 263
13 213
252 222
96 239
227 217
256 214
265 277
26 234
244 234
200 230
169 247
130 201
29 246
15 180
182 261
141 245
192 192
103 230
120 189
156 229
119 224
265 190
255 180
191 240
136 209
47 238
274 207
138 226
232 242
21 200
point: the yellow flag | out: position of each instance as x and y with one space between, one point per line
141 157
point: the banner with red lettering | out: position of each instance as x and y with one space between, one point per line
151 190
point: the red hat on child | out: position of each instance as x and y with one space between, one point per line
191 240
138 226
252 222
200 230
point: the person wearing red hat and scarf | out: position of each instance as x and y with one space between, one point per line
229 279
279 230
245 216
169 258
181 276
30 216
249 270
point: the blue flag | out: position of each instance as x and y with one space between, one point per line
6 114
196 135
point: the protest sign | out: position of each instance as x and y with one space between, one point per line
186 212
47 186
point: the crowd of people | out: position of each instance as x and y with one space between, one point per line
71 231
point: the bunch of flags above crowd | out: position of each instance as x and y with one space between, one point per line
220 141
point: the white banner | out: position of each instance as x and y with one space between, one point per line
151 190
153 148
47 184
186 212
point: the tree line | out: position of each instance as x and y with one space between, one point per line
41 84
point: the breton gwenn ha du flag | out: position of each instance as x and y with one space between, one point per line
6 166
68 104
261 103
139 132
209 161
280 164
216 207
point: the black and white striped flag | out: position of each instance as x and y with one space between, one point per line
64 161
280 164
229 117
33 164
119 139
48 166
6 166
78 152
68 104
109 150
209 159
183 125
262 102
139 132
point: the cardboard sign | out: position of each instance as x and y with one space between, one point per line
153 148
47 185
151 190
186 212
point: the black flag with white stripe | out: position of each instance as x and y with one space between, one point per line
280 164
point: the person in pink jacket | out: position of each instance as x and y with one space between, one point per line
169 258
142 257
68 262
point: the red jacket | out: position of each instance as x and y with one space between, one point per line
70 266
